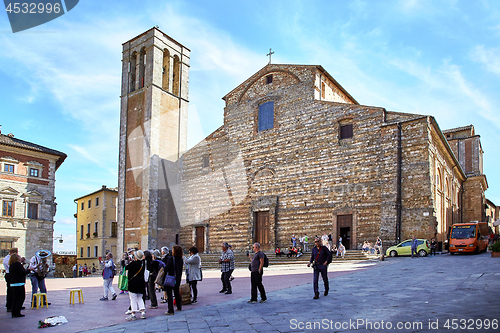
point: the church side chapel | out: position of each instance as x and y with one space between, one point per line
296 154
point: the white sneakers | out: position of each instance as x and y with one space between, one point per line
132 315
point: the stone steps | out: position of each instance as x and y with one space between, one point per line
210 260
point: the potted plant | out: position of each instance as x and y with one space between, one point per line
88 235
95 234
495 249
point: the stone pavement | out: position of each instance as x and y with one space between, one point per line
401 294
94 313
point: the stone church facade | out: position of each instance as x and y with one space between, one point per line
297 154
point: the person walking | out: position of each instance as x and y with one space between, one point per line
226 262
193 272
75 270
320 258
8 303
136 285
414 245
256 272
107 276
174 268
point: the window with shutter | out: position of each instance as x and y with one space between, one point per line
266 116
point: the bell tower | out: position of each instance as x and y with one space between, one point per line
153 136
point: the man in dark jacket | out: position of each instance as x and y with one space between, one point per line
257 269
320 258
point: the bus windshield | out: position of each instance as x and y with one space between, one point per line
463 231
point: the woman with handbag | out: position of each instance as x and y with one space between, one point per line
173 277
193 271
136 285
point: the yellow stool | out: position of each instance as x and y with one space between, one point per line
39 299
72 293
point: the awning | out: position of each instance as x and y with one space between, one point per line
496 223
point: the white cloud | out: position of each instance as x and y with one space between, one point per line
489 58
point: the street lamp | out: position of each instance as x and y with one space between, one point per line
59 238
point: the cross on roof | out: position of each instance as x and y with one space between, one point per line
270 54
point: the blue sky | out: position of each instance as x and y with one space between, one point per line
60 82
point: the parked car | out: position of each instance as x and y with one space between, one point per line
404 248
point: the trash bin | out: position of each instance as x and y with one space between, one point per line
440 247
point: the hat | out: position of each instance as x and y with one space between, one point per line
139 254
43 254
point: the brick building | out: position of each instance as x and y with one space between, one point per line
296 154
27 185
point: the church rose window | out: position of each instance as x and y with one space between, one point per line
266 116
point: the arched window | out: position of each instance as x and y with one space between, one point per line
132 64
166 69
439 182
142 66
177 76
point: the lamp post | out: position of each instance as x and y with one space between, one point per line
60 238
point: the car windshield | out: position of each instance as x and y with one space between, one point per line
463 231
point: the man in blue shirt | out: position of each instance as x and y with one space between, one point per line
320 258
414 245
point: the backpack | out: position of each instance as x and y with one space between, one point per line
329 256
114 269
266 260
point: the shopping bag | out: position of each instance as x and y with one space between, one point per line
123 280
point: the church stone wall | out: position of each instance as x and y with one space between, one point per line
314 175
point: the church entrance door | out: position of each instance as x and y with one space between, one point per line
200 239
262 230
344 225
